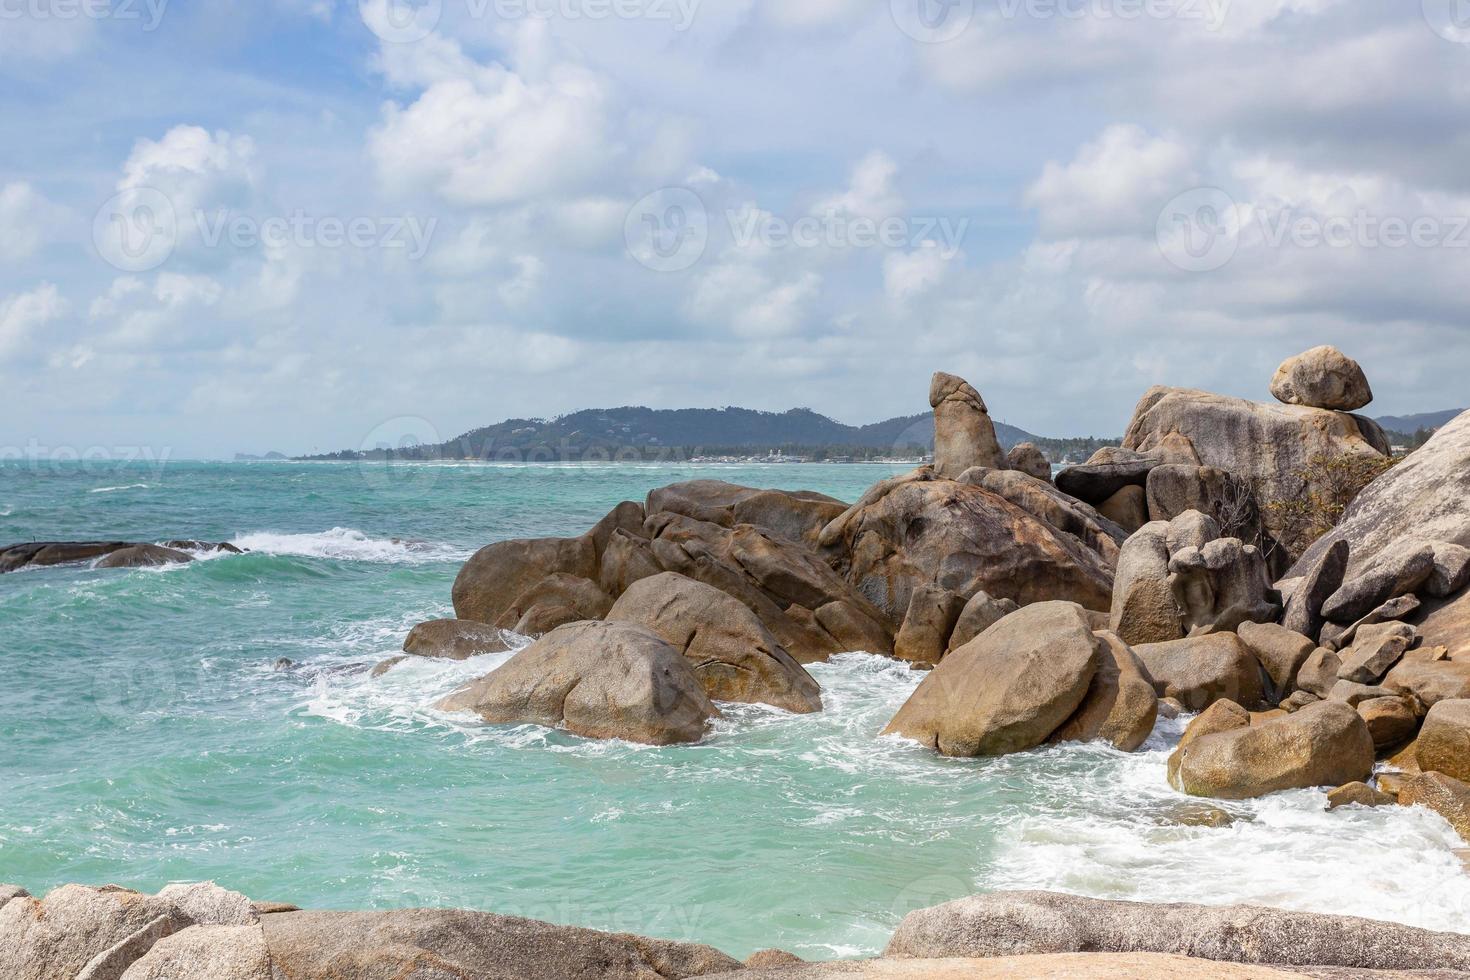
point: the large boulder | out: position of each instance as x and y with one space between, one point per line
794 515
966 539
1009 688
1319 577
1143 606
597 680
1395 571
454 639
497 575
1323 377
1280 651
1444 741
206 953
554 601
1198 671
1128 508
1120 706
1017 923
455 943
1268 447
627 558
1445 795
1323 744
979 614
1052 507
931 618
1426 496
734 656
1055 966
1097 482
1375 650
964 435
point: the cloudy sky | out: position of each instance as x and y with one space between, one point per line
245 225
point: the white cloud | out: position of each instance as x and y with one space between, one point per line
871 193
907 274
1116 185
23 314
27 221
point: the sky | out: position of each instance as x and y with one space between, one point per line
297 225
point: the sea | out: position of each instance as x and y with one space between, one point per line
219 721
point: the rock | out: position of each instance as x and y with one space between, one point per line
1451 570
852 630
964 435
1299 700
1268 447
1444 741
39 554
1391 721
1444 794
1354 694
772 959
1027 458
1007 689
1015 923
1120 706
1395 572
924 636
1430 682
454 943
554 601
1375 650
732 654
797 516
1360 794
1392 783
1336 637
9 892
1280 651
627 558
1095 483
1143 608
979 614
962 538
1189 813
454 639
1052 507
1323 377
206 903
1176 488
1318 674
1325 744
1128 508
206 953
223 547
1321 577
1063 966
1201 670
498 574
626 518
597 680
1222 585
1170 707
1222 716
1426 496
144 556
1192 529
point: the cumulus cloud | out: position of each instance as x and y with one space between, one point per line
22 315
27 220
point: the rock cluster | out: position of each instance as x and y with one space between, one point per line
203 932
104 554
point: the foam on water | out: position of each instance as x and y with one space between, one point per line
130 486
347 544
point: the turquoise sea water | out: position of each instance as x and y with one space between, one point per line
146 737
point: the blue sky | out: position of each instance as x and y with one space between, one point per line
490 208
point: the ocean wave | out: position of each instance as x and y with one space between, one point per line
348 544
130 486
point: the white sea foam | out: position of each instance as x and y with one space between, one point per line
347 544
130 486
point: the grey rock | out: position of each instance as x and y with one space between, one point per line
1394 572
1222 585
1337 637
1320 578
1323 377
206 953
1094 483
144 556
979 614
1318 674
1375 650
1027 458
1143 607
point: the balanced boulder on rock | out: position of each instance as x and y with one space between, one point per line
1323 377
597 680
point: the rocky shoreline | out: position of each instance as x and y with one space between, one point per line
205 932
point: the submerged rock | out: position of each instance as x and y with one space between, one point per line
597 680
454 639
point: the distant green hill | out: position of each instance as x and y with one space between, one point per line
1413 423
646 433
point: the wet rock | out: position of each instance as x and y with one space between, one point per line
1445 795
597 680
144 556
1325 744
1120 706
498 574
1199 671
386 665
1323 377
1222 716
1359 794
454 639
1009 688
734 656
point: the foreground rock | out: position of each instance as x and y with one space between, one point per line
734 656
964 435
597 680
1323 377
1057 966
454 639
1445 795
1323 744
1009 688
455 943
918 530
1020 923
1426 496
1198 671
1120 706
1444 741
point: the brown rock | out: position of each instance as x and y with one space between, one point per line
1318 674
1053 508
1128 508
554 601
1390 721
1325 744
979 614
1430 682
1222 716
1323 377
598 680
797 516
1395 571
1280 651
1120 706
1320 578
1143 607
734 656
1008 689
1337 637
1444 741
1199 671
1360 794
1220 586
454 639
772 959
490 582
1027 458
964 435
1443 794
144 556
853 630
926 629
626 559
1375 650
1353 693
